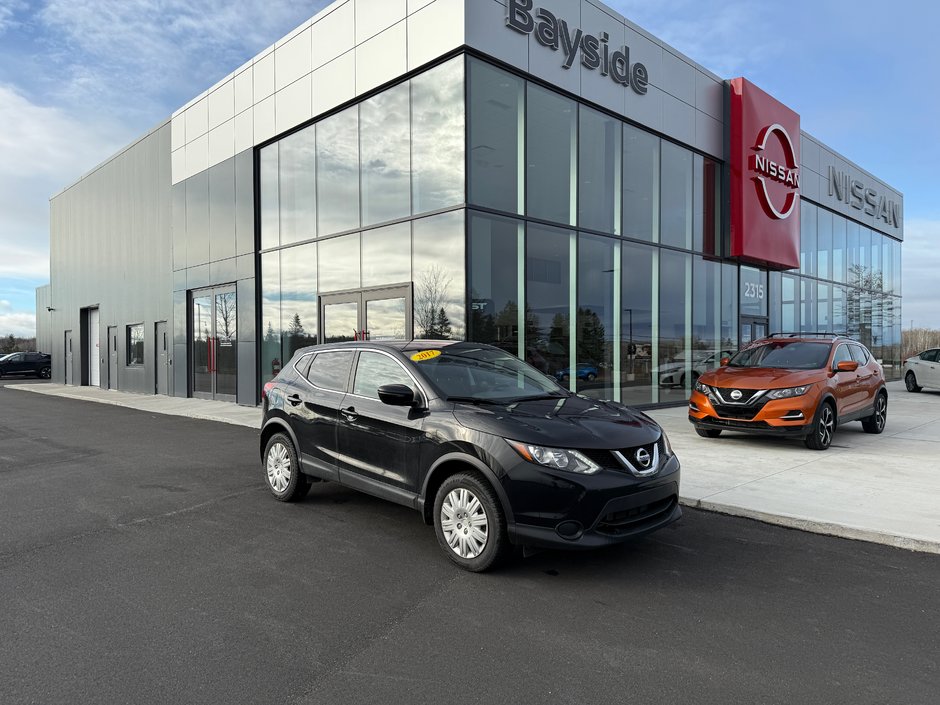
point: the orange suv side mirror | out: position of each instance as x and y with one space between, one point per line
846 366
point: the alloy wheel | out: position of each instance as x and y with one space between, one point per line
881 409
278 467
827 425
464 523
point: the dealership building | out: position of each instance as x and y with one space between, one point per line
544 176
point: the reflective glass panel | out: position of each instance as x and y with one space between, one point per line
270 200
494 280
299 297
823 312
375 370
551 155
594 371
339 263
640 184
600 158
706 216
298 186
639 276
676 196
439 268
385 139
225 349
708 345
386 319
675 314
386 255
338 172
838 248
340 322
753 292
437 137
270 315
807 237
497 129
202 336
823 243
549 299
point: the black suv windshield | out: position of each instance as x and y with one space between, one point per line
784 354
468 373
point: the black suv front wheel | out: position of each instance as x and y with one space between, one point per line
469 522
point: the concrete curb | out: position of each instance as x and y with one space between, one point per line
815 527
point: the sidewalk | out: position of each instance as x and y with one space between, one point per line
884 489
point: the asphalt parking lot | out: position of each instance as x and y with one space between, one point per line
142 560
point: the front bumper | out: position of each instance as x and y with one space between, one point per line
553 509
789 418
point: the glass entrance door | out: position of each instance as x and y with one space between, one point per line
214 340
368 314
752 329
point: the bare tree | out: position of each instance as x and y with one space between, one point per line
430 301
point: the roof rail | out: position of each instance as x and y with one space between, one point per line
807 334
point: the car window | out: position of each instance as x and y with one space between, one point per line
859 354
15 357
374 370
929 356
33 357
784 354
303 364
330 370
843 354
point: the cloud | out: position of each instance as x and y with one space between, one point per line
21 325
8 10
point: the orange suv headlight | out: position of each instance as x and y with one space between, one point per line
788 393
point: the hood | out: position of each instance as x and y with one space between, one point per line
761 377
572 422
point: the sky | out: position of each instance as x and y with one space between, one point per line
80 79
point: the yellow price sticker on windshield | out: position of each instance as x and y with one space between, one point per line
425 355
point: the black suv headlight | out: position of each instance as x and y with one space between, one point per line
556 458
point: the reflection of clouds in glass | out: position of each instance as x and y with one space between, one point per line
437 113
338 172
270 218
386 255
299 290
439 272
339 264
385 134
298 186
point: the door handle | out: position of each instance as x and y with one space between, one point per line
349 414
294 399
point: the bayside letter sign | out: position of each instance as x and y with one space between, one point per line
595 51
764 161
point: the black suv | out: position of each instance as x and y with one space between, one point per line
488 449
26 363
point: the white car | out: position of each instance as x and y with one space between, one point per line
672 373
923 370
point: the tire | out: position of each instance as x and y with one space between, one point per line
823 428
910 381
876 422
708 432
282 471
467 495
45 373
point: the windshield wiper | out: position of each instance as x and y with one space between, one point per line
479 400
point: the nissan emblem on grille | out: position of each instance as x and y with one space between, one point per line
736 394
643 457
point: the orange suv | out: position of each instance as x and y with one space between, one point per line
793 385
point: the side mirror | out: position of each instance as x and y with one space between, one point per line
724 361
846 366
396 395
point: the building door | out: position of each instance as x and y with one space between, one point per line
752 329
214 343
68 357
93 356
162 362
112 357
383 313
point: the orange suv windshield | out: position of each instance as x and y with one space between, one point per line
790 355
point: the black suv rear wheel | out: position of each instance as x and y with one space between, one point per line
282 471
469 522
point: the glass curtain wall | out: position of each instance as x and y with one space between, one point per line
369 197
592 254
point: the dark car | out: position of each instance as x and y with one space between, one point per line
488 449
33 364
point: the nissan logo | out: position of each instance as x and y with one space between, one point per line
643 457
736 394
